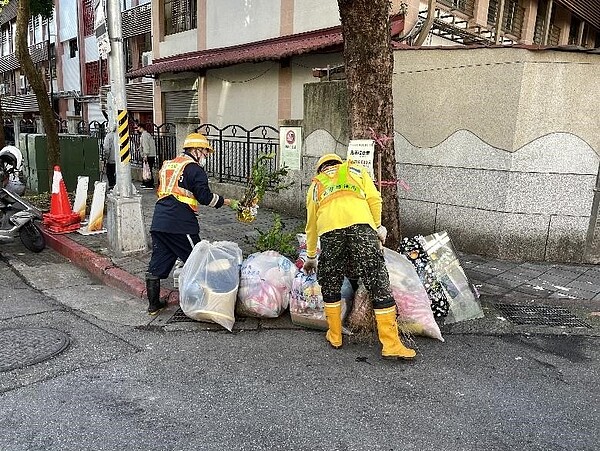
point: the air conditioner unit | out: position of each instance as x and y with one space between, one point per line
146 58
3 89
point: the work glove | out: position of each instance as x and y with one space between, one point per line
382 234
234 204
310 265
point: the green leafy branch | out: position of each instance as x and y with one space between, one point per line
262 178
277 239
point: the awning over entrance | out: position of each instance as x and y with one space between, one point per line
324 40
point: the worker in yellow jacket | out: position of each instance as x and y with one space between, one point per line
343 209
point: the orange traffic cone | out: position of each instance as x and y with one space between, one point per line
61 218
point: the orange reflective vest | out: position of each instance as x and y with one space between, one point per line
169 175
329 187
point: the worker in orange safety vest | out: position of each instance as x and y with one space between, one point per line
183 186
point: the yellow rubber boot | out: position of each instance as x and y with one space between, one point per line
333 313
387 329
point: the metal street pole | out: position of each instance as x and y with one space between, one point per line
116 63
125 224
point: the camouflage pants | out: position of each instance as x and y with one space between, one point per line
353 252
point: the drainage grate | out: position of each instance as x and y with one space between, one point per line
180 317
540 315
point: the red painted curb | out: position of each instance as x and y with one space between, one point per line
103 268
119 278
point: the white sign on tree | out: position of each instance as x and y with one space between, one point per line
362 151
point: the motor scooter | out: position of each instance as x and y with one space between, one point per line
17 216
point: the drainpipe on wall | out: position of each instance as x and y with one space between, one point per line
427 25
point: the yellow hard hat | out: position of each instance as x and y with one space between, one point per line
197 141
328 157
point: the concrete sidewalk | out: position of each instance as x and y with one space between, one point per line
498 281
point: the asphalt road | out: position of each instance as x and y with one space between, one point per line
125 385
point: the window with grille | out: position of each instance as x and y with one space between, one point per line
512 16
180 15
96 75
88 17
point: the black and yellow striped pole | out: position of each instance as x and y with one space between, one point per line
123 133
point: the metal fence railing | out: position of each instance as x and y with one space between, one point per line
237 148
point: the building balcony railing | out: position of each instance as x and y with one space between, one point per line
38 52
137 20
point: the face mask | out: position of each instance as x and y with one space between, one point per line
202 160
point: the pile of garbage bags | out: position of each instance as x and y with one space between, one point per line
426 278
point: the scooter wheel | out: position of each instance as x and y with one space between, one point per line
32 237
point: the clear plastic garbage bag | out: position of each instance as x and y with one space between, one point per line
306 302
208 282
414 307
265 284
462 297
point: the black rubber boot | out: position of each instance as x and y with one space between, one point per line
155 305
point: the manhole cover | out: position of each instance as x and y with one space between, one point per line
540 315
180 317
27 346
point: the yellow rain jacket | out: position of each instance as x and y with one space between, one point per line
338 197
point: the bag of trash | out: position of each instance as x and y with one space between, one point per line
302 256
462 296
306 302
208 282
412 249
265 284
414 307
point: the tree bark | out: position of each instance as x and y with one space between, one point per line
37 84
369 66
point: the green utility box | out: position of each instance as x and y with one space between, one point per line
79 155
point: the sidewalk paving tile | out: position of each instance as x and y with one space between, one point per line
535 290
524 272
491 270
584 286
473 275
564 274
493 290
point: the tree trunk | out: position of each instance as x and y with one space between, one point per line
369 68
37 84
